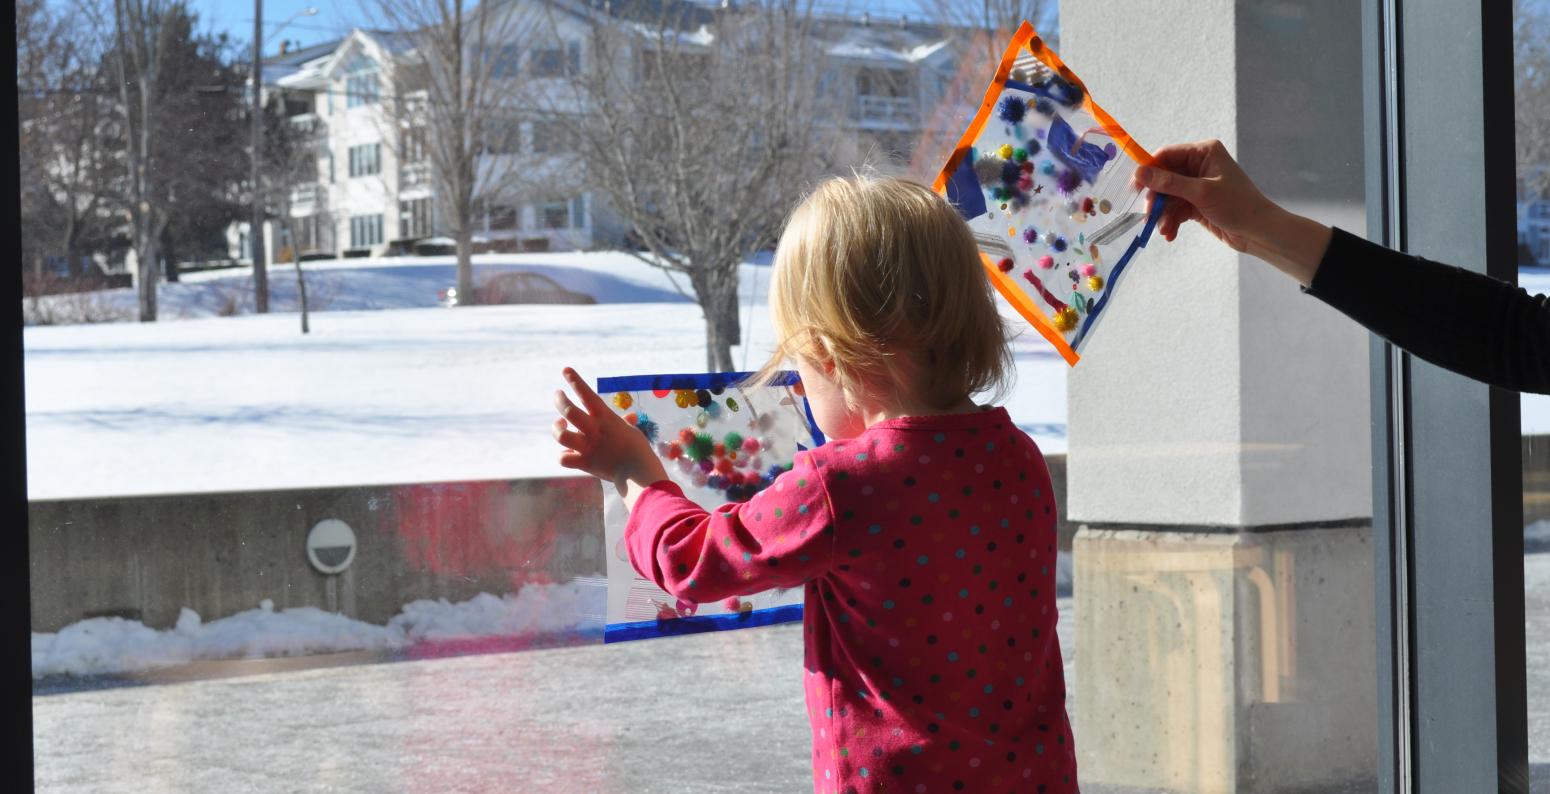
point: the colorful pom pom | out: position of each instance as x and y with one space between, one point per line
1005 264
702 397
1095 283
1065 319
1034 147
1005 151
1059 244
750 445
623 401
1030 235
674 451
1013 110
1046 261
1087 205
733 440
1088 270
1047 168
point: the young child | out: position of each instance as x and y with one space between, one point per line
923 532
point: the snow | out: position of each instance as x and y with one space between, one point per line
369 397
111 646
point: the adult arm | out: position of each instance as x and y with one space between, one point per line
1470 323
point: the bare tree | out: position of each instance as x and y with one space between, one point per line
63 153
458 105
700 128
982 27
141 36
1531 82
290 158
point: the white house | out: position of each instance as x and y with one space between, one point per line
373 192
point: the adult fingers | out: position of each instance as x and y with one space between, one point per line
1173 184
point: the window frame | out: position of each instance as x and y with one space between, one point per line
365 160
1451 650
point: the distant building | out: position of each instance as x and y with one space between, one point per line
374 195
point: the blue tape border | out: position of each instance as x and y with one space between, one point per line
1119 267
699 624
694 380
709 380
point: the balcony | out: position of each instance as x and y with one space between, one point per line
310 125
414 175
307 195
886 112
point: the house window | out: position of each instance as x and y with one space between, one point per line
554 216
412 149
1544 249
502 136
366 159
414 218
365 230
329 166
578 212
360 84
546 137
557 61
505 61
503 218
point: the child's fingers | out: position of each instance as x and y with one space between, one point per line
578 418
568 438
572 459
589 398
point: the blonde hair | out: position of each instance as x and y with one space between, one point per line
881 277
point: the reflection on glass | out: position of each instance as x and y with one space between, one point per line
203 623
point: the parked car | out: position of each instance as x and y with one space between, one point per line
517 288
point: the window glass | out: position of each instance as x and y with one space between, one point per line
366 159
557 61
361 86
340 525
1531 80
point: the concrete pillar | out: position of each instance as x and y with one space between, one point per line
1219 464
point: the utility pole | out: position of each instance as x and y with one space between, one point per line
256 224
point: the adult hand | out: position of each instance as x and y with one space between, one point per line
602 443
1206 185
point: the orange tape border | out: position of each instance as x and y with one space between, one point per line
1026 37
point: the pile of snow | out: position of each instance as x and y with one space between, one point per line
111 646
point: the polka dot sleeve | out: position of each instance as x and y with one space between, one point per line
782 537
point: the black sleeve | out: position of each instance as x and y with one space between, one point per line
1475 325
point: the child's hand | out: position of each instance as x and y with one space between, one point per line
602 443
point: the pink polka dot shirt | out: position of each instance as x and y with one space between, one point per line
927 549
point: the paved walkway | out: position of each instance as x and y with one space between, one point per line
711 713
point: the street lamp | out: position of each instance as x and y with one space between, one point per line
256 221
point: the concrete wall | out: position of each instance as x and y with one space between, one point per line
1217 394
222 553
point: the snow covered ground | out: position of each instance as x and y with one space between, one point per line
412 395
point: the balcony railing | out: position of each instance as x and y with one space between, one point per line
414 175
886 111
310 124
307 194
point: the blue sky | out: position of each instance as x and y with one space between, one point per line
334 19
